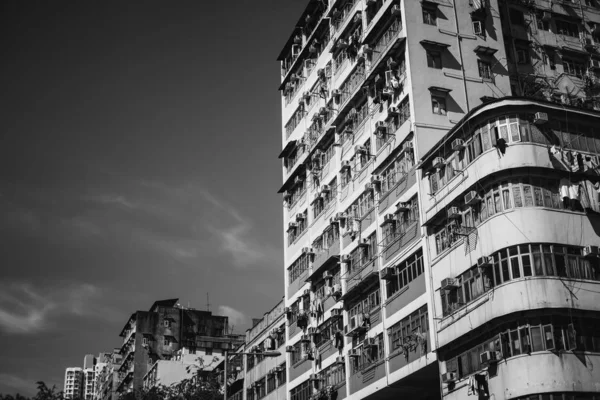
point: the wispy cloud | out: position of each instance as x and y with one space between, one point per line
237 319
25 309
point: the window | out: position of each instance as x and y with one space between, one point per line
548 59
516 17
434 59
485 69
271 382
543 21
281 378
166 342
301 392
167 323
297 230
522 56
327 331
403 332
369 355
479 28
438 105
407 271
298 267
567 28
573 67
429 16
362 255
333 375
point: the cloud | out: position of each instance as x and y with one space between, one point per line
237 319
28 310
22 386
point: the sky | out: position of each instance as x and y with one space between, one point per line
138 162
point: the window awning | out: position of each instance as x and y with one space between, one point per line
431 43
287 149
572 50
485 51
429 3
439 89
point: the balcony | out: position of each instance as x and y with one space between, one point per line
522 294
361 277
388 40
323 258
530 374
394 244
339 17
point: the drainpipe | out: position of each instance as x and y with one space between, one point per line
462 65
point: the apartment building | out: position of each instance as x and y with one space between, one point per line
73 383
89 376
387 106
107 376
158 334
264 377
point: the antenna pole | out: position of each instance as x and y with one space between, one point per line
207 302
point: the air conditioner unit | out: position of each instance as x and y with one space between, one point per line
370 342
308 251
449 377
540 118
449 284
369 187
458 144
389 218
472 198
314 377
438 162
300 217
290 349
353 353
292 225
367 49
393 110
403 207
360 149
345 165
304 339
345 258
339 360
336 312
327 275
484 261
340 216
376 179
325 189
380 126
591 251
387 273
396 10
453 213
487 357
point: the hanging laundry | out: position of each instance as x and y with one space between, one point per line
574 197
482 385
564 185
472 389
554 150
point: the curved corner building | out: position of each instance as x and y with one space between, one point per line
441 161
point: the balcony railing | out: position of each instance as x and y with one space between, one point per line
351 84
343 15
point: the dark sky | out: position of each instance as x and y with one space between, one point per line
138 161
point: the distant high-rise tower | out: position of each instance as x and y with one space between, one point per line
73 383
89 376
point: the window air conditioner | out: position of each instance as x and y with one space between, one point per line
304 339
340 216
325 189
402 207
290 349
360 149
393 110
353 353
458 144
453 213
314 377
449 284
308 251
472 198
387 273
484 262
300 217
345 258
449 377
595 64
487 357
438 162
396 10
591 251
370 342
292 225
389 218
339 360
540 118
376 179
380 126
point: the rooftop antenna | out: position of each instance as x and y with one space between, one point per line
207 302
